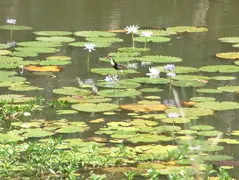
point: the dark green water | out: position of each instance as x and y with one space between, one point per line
196 50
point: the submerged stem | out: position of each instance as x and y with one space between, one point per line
145 42
88 62
11 34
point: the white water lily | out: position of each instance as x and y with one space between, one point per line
11 21
146 63
146 33
89 46
153 72
132 66
132 29
171 74
173 115
27 114
111 78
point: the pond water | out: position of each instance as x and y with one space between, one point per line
195 49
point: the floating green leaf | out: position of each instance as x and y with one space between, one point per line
191 78
218 106
148 80
191 112
216 157
228 55
150 90
152 39
118 59
16 98
133 50
202 99
56 39
59 58
159 59
15 27
223 78
210 133
191 29
84 99
209 91
53 33
149 138
176 120
36 49
97 44
104 39
122 84
94 34
186 83
90 107
37 132
220 68
39 44
4 52
4 46
22 87
10 137
66 112
53 62
229 88
119 93
71 91
24 54
229 39
106 71
202 127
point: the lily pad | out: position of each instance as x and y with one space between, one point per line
220 68
16 98
119 93
191 78
223 78
36 49
176 120
59 58
229 88
37 132
191 112
159 59
53 62
133 49
62 111
104 39
71 91
69 129
10 137
56 39
4 52
202 127
149 138
118 59
39 44
94 34
84 99
148 80
106 71
150 90
218 106
233 40
191 29
24 54
210 133
53 33
15 27
180 69
185 83
22 87
89 107
228 55
216 157
97 44
144 107
202 99
122 84
152 39
4 46
209 91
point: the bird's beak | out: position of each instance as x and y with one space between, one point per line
108 56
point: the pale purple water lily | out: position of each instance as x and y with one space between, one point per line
173 115
12 44
171 74
89 46
153 72
132 29
169 67
146 33
169 102
11 21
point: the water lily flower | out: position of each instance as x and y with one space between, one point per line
132 29
11 21
169 67
111 78
89 46
12 44
153 72
171 74
147 33
194 148
173 115
132 66
169 102
150 170
89 81
146 63
27 114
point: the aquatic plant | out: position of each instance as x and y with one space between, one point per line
133 30
146 34
153 72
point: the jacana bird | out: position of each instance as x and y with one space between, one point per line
115 64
